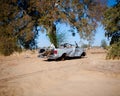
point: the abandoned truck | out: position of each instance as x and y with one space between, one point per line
65 50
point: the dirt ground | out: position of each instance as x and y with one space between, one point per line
27 75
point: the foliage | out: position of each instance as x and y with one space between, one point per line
8 47
53 37
18 18
61 37
112 20
103 44
83 15
57 38
80 14
112 26
85 46
15 27
114 51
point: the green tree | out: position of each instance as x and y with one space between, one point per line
18 18
85 46
112 26
103 44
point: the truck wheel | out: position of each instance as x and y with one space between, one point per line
83 54
63 57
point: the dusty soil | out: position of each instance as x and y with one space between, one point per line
27 75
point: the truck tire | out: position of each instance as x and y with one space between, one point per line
83 54
62 58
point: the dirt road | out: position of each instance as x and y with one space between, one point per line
28 75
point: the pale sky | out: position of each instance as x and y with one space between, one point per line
43 39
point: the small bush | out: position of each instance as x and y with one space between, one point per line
114 51
103 44
8 47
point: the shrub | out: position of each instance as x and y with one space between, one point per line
114 51
103 44
8 47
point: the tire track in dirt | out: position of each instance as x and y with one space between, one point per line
37 72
